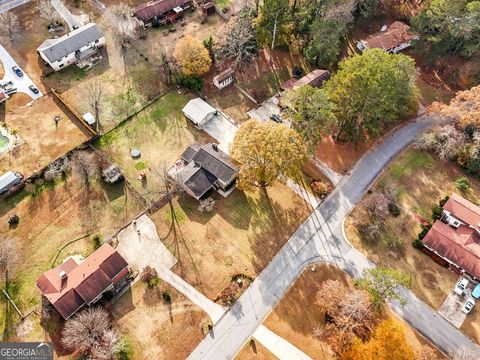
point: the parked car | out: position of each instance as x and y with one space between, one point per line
468 306
476 292
8 87
17 71
33 89
276 118
461 286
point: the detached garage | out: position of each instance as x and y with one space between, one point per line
199 112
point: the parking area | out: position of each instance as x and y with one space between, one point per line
21 84
451 308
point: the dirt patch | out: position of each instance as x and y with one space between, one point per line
296 317
255 351
159 330
41 139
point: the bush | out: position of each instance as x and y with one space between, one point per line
167 298
98 241
123 349
443 201
194 83
417 243
393 209
320 188
462 184
436 213
424 232
150 276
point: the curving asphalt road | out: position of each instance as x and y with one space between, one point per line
320 239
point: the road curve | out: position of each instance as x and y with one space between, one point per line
320 239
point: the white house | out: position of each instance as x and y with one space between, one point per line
76 47
225 78
199 112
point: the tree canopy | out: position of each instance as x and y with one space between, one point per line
371 91
272 24
449 27
192 56
266 151
311 113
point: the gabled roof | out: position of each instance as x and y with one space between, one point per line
150 9
200 182
7 179
396 34
225 74
56 49
463 210
314 78
197 110
215 161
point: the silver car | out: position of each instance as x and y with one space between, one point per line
468 306
461 286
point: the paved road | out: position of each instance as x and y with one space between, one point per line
320 239
6 5
22 83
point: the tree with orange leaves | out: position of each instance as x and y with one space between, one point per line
192 56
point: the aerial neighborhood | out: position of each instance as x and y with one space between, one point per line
240 179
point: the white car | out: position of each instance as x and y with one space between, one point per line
468 306
461 286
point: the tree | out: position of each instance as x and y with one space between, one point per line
9 24
192 56
273 21
348 313
150 276
239 44
266 151
90 333
388 343
384 285
48 12
311 113
462 183
94 95
446 142
126 29
85 165
378 88
449 28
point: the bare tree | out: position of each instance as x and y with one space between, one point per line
56 169
446 141
90 333
9 24
126 29
206 205
94 95
377 205
47 11
85 165
239 44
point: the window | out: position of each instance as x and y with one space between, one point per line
61 65
97 41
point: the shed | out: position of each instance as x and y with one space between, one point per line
199 111
8 181
225 78
112 174
89 119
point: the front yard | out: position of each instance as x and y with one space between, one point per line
420 181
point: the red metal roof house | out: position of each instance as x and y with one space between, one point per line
456 236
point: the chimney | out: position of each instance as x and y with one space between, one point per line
215 147
63 275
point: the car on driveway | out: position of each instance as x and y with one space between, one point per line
276 118
476 292
468 306
33 89
461 286
17 71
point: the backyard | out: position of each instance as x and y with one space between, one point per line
50 218
420 181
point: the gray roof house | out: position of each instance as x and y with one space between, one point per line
73 47
9 182
203 168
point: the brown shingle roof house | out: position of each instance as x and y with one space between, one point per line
394 38
456 236
74 284
314 78
164 10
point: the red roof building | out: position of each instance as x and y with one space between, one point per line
75 284
165 11
456 236
314 79
393 38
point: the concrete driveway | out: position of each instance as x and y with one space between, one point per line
21 83
451 308
222 130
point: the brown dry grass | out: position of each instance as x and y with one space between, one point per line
255 351
43 140
295 317
158 330
241 234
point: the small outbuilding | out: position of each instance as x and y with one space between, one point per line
199 111
112 174
89 119
225 78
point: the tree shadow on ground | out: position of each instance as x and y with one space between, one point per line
52 326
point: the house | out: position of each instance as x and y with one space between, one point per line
9 182
80 46
199 111
79 282
202 169
161 11
456 236
225 78
314 78
393 38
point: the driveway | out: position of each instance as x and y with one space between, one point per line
451 308
321 239
70 19
222 130
22 83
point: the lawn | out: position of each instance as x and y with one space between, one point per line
296 317
161 132
157 329
240 236
49 220
420 180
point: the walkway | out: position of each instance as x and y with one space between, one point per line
331 174
70 19
320 239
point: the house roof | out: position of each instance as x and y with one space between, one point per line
224 75
8 179
56 49
197 110
85 280
215 161
461 246
314 78
396 34
200 182
463 210
149 10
